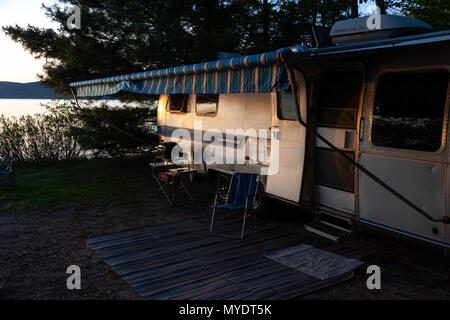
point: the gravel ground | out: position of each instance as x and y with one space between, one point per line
37 247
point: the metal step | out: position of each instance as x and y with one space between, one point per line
330 226
328 213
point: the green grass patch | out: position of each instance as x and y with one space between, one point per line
80 182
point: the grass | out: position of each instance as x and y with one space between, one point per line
79 182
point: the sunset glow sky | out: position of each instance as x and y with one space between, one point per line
16 64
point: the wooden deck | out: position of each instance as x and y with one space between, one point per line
183 260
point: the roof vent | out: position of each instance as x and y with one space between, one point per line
376 27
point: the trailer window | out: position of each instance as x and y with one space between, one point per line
287 110
339 98
178 102
408 111
206 104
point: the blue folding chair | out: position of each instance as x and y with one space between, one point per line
7 169
241 195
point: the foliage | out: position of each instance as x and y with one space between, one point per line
112 131
41 137
66 131
436 12
118 37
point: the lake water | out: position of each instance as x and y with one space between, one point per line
20 107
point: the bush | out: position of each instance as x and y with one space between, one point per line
41 137
115 131
67 132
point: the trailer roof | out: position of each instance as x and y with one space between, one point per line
410 40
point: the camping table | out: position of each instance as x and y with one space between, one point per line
181 177
173 175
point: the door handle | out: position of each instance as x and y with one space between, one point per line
275 132
361 128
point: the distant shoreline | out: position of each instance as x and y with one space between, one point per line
30 90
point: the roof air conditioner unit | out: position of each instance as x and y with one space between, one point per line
376 27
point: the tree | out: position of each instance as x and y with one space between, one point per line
436 13
382 5
118 37
354 8
294 19
111 131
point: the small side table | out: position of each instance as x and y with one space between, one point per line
166 174
181 177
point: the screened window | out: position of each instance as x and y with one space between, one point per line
178 102
409 109
287 110
333 170
206 104
339 99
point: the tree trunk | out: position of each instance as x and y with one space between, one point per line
266 21
354 8
382 5
314 14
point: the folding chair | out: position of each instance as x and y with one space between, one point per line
241 195
7 169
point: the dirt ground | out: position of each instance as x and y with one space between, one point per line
37 247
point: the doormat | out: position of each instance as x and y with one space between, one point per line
314 262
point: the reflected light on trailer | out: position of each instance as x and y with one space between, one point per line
160 106
160 109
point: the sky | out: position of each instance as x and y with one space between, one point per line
18 65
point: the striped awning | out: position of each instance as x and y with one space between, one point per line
256 73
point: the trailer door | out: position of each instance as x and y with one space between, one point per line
339 99
288 137
404 145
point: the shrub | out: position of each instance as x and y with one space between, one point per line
115 131
41 137
65 131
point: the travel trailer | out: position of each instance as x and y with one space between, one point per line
359 123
